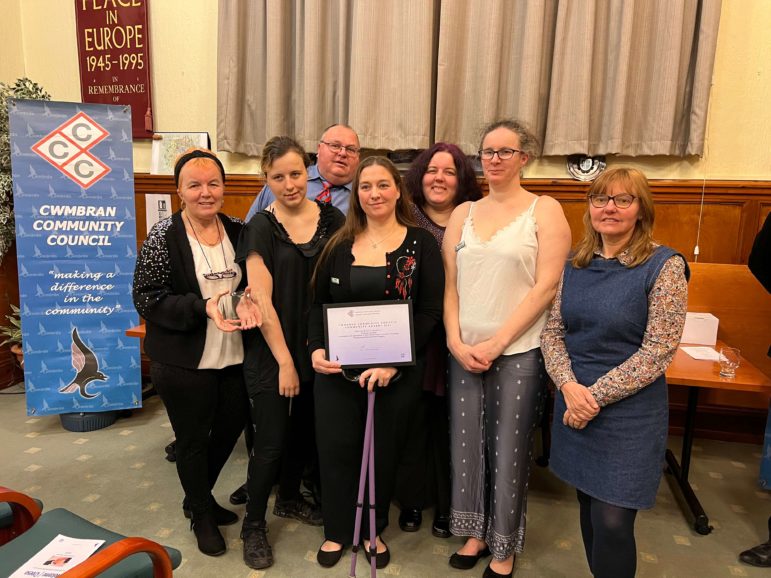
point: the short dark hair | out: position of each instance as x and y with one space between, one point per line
468 187
277 147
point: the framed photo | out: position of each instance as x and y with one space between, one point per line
167 146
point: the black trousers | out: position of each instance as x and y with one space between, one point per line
341 411
207 410
283 444
424 473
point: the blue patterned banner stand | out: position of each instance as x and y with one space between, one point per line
73 190
765 461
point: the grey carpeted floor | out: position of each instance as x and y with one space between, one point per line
118 477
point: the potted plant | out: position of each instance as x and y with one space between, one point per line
12 334
23 88
26 89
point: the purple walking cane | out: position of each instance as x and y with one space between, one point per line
367 471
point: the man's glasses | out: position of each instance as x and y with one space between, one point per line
217 275
503 154
336 147
623 201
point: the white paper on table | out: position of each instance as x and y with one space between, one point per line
703 353
59 555
157 207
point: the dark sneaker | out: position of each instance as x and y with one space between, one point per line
257 551
299 509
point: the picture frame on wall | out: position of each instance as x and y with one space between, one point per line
167 146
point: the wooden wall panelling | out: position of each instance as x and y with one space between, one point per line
733 213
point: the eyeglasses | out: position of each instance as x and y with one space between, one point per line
503 154
623 201
336 147
217 275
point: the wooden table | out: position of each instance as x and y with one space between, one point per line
695 373
137 331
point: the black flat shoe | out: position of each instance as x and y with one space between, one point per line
381 559
441 526
760 555
238 497
329 559
171 451
410 519
466 562
490 573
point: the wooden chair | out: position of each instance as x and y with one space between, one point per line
31 531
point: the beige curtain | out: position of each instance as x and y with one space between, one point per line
283 69
494 62
391 66
631 77
588 76
297 66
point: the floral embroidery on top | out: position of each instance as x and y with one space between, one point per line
405 267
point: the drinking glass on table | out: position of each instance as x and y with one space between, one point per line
730 359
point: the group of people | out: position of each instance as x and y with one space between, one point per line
497 303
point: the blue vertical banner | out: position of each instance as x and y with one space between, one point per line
73 190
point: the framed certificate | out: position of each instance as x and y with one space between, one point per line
370 334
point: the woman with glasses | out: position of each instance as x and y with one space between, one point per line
279 246
503 256
185 266
439 179
378 254
613 329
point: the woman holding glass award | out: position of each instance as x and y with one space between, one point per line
614 327
378 255
185 266
280 246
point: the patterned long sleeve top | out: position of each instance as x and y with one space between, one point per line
667 305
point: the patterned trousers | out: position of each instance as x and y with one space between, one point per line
493 416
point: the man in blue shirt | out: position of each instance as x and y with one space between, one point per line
330 178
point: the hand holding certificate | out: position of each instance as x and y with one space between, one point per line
370 334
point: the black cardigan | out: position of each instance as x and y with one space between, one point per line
167 295
413 271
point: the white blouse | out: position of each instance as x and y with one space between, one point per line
220 349
493 278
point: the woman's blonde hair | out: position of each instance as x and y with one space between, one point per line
641 243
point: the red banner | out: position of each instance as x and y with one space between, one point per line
114 56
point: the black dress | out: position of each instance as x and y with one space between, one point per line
291 266
413 271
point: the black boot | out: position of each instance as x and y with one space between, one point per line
210 540
222 516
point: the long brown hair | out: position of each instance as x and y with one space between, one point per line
641 244
356 219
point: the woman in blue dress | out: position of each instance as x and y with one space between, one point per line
613 330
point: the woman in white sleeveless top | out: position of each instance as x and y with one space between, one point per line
503 258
